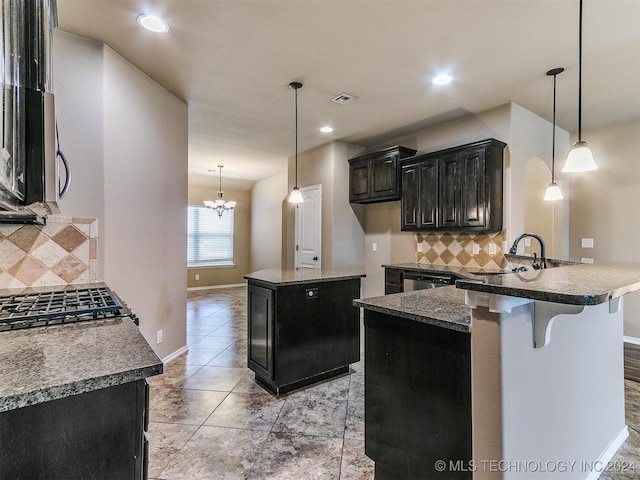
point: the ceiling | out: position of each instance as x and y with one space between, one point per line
232 61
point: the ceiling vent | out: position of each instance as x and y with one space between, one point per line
343 99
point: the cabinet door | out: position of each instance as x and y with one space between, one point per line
449 191
358 180
473 199
384 178
428 198
409 200
260 313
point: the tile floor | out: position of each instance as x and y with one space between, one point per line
209 419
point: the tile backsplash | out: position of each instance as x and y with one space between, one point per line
456 249
62 251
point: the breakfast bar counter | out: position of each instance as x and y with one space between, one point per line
531 375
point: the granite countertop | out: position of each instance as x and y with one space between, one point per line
46 363
584 284
458 272
442 307
277 276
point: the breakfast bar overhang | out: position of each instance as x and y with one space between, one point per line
545 376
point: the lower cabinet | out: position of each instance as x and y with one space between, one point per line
97 435
393 281
417 399
302 333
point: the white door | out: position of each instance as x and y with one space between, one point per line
308 228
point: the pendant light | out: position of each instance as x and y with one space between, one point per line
296 196
553 191
580 158
219 205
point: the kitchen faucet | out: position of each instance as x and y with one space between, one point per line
543 250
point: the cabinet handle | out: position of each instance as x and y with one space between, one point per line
315 259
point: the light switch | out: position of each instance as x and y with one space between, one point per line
420 247
527 242
475 249
587 243
492 249
374 247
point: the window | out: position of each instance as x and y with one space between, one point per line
209 237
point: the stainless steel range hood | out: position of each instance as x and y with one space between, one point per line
33 190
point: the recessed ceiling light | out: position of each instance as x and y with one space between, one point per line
326 129
152 23
442 79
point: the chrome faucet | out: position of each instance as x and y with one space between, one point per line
543 250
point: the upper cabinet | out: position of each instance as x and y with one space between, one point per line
375 177
459 188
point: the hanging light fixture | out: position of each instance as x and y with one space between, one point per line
580 158
553 191
219 205
296 196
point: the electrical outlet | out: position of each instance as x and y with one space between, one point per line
159 337
420 247
587 243
527 242
374 247
586 260
493 249
475 249
197 276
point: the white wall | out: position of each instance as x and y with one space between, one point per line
144 232
267 199
126 138
604 205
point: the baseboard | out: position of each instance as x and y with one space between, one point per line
175 354
211 287
634 340
601 464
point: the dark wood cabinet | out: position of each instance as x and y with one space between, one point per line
97 435
375 177
393 281
459 188
260 328
302 333
417 399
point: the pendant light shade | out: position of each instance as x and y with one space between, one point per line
219 205
580 158
553 191
296 196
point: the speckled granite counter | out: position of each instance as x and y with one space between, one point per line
46 363
277 276
459 272
443 307
585 284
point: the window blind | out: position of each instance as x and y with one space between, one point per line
209 237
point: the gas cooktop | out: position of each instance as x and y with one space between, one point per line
41 308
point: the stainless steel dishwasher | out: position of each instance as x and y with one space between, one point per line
420 281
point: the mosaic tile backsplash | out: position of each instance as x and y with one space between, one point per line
61 252
456 249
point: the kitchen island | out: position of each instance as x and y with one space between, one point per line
73 402
302 326
532 387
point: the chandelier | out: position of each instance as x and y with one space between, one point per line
219 205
